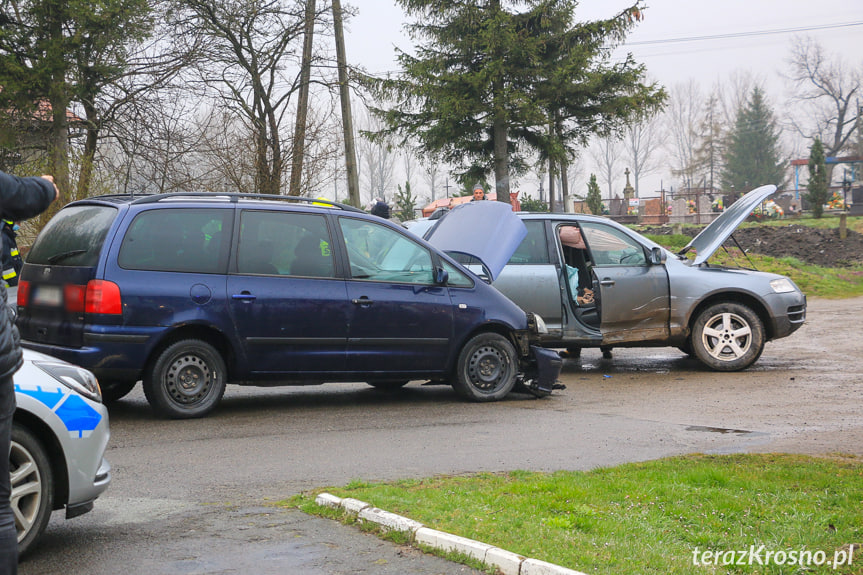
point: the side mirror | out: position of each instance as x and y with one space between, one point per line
657 256
441 276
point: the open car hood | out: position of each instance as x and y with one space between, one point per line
720 229
488 231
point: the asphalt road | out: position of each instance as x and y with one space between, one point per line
196 496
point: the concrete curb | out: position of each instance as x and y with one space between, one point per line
507 562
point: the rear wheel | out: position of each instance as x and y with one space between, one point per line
487 368
115 390
728 337
32 487
187 380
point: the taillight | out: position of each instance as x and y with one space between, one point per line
73 297
23 293
103 297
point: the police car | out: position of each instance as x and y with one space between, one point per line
59 435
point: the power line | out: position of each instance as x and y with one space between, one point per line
744 34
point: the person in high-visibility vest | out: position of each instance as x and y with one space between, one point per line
10 259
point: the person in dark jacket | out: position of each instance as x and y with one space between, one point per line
20 199
10 258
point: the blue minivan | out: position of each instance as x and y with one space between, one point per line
189 292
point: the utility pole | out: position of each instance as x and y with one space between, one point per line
299 147
347 121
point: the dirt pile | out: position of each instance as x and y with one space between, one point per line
812 245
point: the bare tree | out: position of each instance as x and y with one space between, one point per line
641 142
303 104
377 160
826 96
606 154
249 46
683 118
432 171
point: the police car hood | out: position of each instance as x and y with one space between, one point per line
720 229
488 231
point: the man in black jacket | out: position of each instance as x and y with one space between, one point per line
20 199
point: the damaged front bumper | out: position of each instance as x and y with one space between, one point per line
540 373
540 367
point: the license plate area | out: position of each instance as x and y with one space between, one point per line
47 296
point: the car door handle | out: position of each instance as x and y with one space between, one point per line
246 296
362 301
607 282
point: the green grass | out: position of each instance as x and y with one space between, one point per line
815 281
643 517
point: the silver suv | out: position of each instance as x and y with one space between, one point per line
604 285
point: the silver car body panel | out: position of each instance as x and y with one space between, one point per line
714 235
645 304
78 424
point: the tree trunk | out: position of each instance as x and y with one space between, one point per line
347 121
85 175
299 146
60 147
564 182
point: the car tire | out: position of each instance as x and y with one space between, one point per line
487 368
115 390
727 337
388 385
186 380
32 486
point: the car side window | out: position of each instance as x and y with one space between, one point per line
456 277
533 248
611 247
379 253
284 243
177 240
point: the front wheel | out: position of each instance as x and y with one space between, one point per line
728 337
32 487
187 380
487 368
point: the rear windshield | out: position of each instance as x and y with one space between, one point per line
73 237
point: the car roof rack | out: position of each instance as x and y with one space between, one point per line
235 197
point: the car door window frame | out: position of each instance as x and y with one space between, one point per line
370 263
630 252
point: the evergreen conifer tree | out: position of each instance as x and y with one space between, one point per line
752 157
594 197
817 189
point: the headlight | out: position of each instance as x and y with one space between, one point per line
536 323
783 285
73 377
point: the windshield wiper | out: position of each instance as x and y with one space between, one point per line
65 255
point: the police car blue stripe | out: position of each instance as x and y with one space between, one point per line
78 417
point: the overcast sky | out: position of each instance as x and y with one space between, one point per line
678 40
